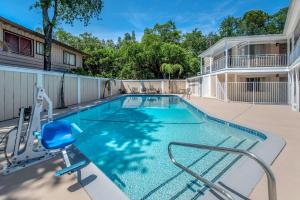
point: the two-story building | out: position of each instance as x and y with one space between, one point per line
22 47
258 68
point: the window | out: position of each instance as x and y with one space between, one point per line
69 58
253 84
18 44
39 48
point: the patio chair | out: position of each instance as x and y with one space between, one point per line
188 93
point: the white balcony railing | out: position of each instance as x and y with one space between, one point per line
218 64
265 60
248 61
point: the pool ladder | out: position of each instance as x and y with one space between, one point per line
270 176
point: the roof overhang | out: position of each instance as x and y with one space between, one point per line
241 40
293 17
18 26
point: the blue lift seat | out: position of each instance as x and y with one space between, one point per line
57 135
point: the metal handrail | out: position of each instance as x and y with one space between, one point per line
271 178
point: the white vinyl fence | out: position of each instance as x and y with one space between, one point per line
17 89
195 84
254 92
158 85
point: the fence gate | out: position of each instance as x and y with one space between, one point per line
258 92
255 92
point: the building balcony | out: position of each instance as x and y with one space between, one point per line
246 62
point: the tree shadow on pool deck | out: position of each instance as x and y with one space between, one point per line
116 145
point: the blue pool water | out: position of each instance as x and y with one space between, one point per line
127 139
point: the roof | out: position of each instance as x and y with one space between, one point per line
292 18
39 35
233 41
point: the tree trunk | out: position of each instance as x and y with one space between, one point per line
48 30
169 83
47 47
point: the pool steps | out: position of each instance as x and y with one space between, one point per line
208 164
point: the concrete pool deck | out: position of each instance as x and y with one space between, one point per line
37 181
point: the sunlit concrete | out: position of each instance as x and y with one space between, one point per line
277 119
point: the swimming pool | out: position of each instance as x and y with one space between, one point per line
127 139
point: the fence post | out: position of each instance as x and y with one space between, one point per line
39 80
225 87
78 90
110 85
162 85
99 88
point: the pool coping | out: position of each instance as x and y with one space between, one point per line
233 180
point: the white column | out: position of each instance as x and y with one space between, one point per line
78 90
226 55
248 57
288 51
293 89
162 85
225 88
99 88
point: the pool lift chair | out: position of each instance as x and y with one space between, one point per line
37 144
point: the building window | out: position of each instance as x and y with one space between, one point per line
40 48
253 84
69 58
18 44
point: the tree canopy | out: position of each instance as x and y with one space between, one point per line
163 51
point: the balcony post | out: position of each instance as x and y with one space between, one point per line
292 89
226 55
288 51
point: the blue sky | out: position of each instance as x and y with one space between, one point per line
121 16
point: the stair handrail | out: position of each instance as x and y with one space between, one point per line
270 176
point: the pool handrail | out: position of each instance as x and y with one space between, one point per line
270 176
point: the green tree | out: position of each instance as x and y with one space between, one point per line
194 42
277 21
229 26
171 69
254 22
211 39
168 32
65 11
